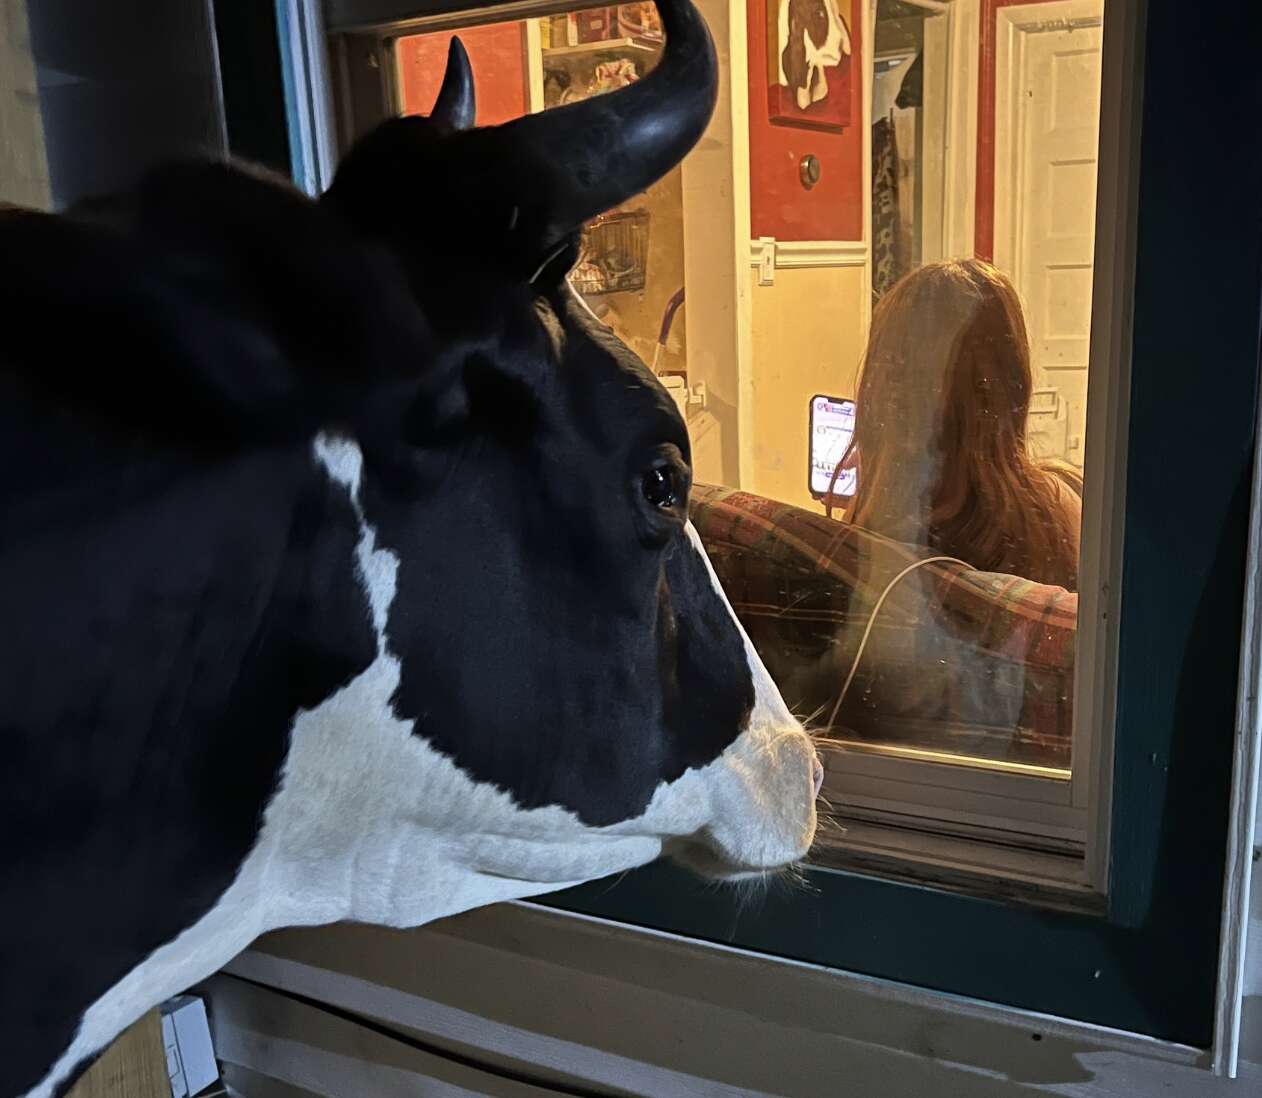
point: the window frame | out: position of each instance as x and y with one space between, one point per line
1001 810
1147 964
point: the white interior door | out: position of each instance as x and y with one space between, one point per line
1047 122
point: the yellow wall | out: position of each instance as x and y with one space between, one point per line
807 339
637 316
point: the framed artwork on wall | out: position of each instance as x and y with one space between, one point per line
809 64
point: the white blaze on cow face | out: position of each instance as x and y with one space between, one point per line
437 841
763 787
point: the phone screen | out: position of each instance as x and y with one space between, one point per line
832 428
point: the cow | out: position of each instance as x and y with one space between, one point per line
345 563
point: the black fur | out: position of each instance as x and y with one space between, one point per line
553 646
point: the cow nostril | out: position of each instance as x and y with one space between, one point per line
817 776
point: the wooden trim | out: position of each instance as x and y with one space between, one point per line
960 197
868 54
984 217
1242 834
1001 867
757 1024
936 59
717 320
948 758
308 94
1106 443
134 1065
534 65
797 254
1109 373
409 16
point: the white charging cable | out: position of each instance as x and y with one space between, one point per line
863 641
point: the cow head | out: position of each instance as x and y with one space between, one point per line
349 572
560 645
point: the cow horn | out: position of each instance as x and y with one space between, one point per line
577 161
456 104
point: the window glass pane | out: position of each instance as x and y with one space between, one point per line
917 593
889 456
971 391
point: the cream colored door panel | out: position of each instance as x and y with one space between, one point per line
1047 137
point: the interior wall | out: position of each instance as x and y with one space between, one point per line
637 315
497 54
807 327
716 208
780 205
807 340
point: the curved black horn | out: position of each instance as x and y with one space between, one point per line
456 106
577 161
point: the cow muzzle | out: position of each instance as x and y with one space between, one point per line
763 794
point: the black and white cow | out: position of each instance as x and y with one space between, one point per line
345 567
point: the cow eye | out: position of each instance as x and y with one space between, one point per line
661 487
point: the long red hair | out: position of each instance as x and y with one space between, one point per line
940 432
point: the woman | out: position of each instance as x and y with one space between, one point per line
940 434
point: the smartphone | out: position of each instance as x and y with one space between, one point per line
832 428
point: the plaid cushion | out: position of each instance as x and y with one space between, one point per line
956 660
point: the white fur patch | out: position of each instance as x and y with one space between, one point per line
371 824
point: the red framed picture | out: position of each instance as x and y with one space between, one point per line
809 64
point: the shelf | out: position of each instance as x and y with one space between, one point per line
607 45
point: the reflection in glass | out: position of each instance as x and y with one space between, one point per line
899 527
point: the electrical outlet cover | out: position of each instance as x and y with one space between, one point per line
189 1051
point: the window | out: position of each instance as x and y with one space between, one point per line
1047 721
902 395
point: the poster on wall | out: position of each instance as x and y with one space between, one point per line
809 62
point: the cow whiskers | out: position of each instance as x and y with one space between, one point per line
790 878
